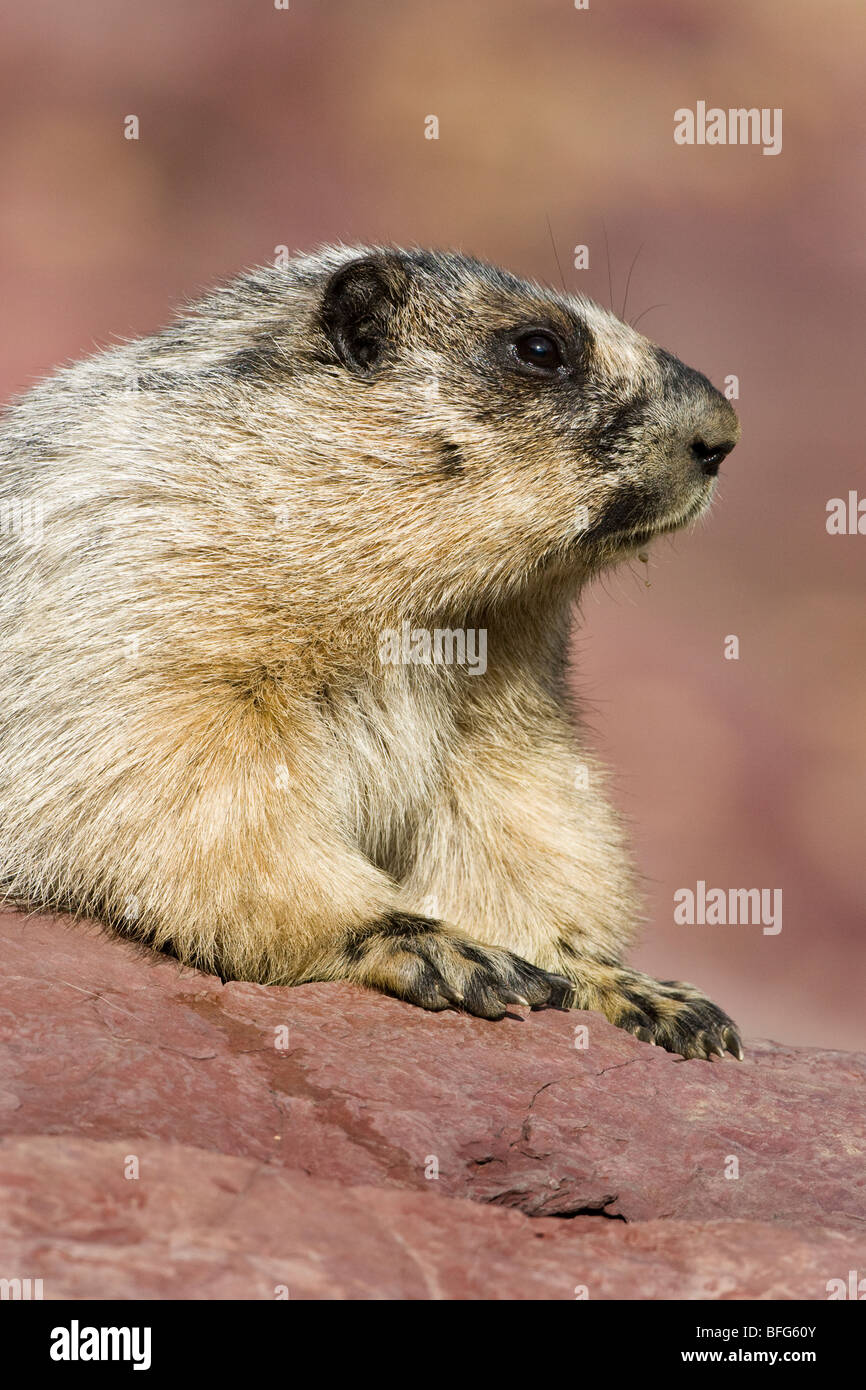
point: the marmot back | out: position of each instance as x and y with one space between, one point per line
284 614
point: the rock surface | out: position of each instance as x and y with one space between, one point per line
163 1135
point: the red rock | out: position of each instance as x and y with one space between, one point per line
205 1225
305 1163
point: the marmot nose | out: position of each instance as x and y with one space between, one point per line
705 423
708 455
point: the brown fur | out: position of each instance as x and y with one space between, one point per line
200 742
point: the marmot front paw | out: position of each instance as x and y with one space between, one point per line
671 1014
429 964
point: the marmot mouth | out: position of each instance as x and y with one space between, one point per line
632 537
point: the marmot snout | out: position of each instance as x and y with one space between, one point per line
238 719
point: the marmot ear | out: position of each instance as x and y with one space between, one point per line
359 307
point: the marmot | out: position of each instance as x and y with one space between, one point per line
212 535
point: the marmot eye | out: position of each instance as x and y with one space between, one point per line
539 350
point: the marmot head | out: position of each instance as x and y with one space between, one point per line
439 432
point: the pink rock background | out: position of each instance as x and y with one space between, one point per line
262 128
165 1136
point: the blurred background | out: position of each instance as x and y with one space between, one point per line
263 127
